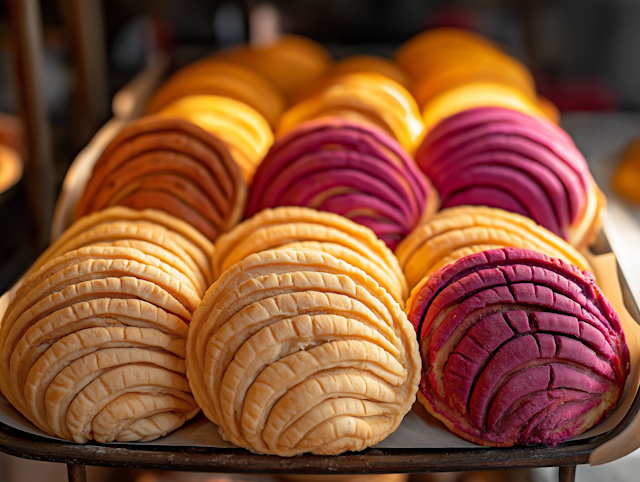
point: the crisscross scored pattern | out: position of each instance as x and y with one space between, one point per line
295 351
517 348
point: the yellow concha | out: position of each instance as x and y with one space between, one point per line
471 69
368 96
439 42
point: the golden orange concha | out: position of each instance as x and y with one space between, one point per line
469 68
243 130
292 63
212 76
431 45
369 98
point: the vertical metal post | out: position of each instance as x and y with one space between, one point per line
87 39
528 8
26 36
76 473
567 474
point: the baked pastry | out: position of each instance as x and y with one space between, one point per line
363 97
10 168
454 233
506 159
292 63
443 58
94 337
166 237
351 169
310 229
243 130
626 178
445 62
170 165
362 64
213 76
436 45
517 348
295 351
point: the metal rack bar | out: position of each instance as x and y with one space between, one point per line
26 35
87 41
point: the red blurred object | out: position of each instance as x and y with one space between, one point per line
452 17
580 94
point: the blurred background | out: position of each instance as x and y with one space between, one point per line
584 54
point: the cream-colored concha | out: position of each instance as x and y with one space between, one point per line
294 351
329 232
457 232
171 240
94 339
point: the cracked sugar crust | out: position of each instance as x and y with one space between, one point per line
517 348
302 353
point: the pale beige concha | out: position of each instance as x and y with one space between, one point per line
176 242
294 351
332 233
93 345
456 232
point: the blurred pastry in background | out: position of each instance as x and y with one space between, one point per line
292 63
10 168
626 179
371 64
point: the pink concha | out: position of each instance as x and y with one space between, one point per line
519 163
351 169
517 348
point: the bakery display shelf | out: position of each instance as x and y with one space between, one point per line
370 461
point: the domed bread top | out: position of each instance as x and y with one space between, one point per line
517 348
364 97
292 63
286 337
169 165
214 76
456 232
94 339
273 228
506 159
347 168
174 241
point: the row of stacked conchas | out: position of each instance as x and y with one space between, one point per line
360 276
